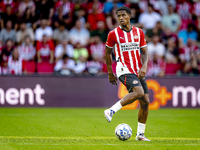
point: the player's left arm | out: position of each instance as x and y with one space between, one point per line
144 58
144 55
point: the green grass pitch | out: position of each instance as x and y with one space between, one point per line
78 128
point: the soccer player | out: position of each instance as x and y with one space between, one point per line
127 41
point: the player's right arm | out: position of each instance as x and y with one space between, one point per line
111 76
108 56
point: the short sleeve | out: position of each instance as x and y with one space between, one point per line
111 39
142 39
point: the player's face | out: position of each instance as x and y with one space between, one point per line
123 17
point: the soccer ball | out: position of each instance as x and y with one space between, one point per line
123 132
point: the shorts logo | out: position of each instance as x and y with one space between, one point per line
135 82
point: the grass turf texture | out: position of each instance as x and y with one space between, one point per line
56 129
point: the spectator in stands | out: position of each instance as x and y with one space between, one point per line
196 11
8 33
109 5
189 33
7 50
167 34
135 13
62 49
193 46
4 58
5 53
97 49
171 55
192 66
156 47
23 32
24 5
60 34
79 34
157 30
94 17
150 18
27 50
47 12
172 20
29 18
100 6
13 4
94 66
64 11
80 57
80 52
156 66
45 50
101 31
184 52
111 19
15 63
159 5
81 15
5 17
65 66
4 70
194 61
43 29
184 9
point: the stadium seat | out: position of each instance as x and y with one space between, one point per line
45 68
172 68
30 67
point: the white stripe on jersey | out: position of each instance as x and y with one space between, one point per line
138 32
129 52
116 53
122 57
135 53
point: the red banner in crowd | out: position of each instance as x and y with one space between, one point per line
54 91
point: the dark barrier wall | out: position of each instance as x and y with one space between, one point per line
47 91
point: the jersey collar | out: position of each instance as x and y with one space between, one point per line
125 30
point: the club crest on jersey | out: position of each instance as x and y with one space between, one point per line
136 37
135 81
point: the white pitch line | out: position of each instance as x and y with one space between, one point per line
94 138
143 144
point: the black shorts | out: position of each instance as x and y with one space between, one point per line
131 80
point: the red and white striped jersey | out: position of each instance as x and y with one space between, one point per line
15 66
127 46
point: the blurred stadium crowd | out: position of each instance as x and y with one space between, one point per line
68 37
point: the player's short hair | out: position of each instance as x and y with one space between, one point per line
128 10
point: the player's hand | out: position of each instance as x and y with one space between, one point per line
142 72
112 78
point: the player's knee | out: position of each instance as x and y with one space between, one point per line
140 93
147 102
